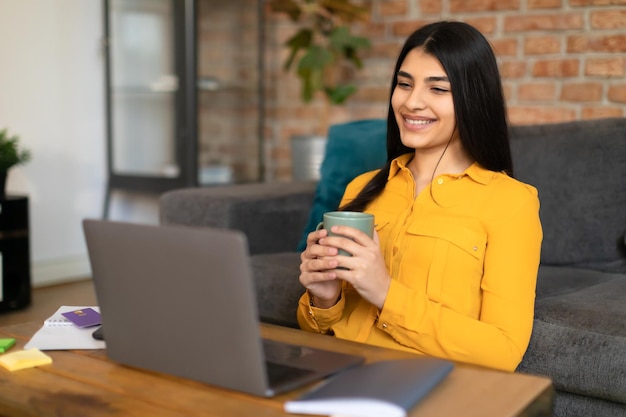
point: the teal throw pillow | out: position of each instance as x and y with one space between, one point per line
352 149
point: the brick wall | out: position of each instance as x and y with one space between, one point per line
559 59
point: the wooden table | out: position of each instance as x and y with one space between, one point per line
86 383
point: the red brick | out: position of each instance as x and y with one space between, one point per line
386 50
280 153
615 43
576 44
606 67
369 94
504 47
538 45
581 92
367 111
583 3
485 25
372 30
556 68
560 21
525 115
508 89
376 73
608 43
338 114
608 19
512 69
617 93
537 92
430 6
393 8
461 6
544 4
405 28
602 112
299 111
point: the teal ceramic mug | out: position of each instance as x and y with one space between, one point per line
362 221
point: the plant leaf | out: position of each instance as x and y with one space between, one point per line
10 154
289 7
342 40
344 10
340 93
299 41
311 69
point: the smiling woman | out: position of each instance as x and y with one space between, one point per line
452 268
424 111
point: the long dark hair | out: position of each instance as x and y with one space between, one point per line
479 104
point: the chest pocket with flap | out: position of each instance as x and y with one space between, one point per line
456 266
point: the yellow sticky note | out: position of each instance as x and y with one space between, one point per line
24 359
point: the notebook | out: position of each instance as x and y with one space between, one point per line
181 301
58 333
389 388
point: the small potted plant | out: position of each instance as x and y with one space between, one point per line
325 56
10 156
324 47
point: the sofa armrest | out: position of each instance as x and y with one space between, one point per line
272 215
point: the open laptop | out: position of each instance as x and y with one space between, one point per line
181 300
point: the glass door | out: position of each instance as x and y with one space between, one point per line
151 102
230 91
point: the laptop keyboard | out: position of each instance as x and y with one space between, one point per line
279 374
277 357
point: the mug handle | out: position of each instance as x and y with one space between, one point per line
320 225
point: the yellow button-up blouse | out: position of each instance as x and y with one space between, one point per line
463 258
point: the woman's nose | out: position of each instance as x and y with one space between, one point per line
415 100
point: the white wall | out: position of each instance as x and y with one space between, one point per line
52 96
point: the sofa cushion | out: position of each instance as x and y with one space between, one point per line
271 214
579 340
571 405
277 287
558 280
579 170
352 149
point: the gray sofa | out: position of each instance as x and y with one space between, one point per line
579 334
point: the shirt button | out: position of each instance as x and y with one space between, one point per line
475 248
310 312
384 325
440 181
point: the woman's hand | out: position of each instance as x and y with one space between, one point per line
317 271
365 270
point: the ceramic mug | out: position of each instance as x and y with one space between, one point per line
362 221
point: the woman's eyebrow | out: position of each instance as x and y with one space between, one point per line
431 79
437 79
404 74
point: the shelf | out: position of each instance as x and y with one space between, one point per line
214 85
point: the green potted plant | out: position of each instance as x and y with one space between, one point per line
324 47
325 55
10 156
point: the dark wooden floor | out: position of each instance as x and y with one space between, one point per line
46 300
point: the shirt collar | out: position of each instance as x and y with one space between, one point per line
399 163
474 171
479 174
